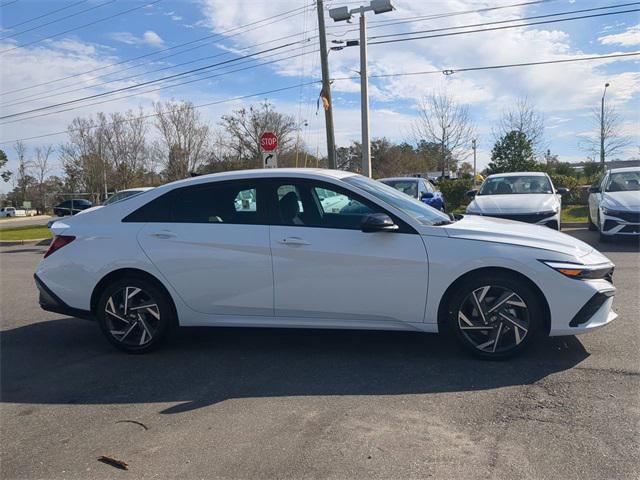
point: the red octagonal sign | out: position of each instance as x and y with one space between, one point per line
268 141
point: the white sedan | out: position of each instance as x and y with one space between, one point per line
614 204
523 196
186 254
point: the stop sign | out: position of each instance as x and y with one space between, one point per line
268 141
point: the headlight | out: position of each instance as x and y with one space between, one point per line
611 212
582 272
548 213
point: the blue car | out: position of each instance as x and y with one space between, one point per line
419 188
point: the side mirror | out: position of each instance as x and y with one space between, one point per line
378 222
472 193
426 196
594 189
562 191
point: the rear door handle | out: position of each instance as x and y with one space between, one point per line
293 241
163 235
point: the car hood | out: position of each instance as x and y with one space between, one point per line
474 227
621 200
516 203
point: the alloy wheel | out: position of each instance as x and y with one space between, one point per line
132 316
494 319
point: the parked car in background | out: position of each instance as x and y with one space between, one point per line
418 188
614 204
71 207
7 212
122 194
321 249
522 196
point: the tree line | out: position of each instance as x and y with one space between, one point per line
106 153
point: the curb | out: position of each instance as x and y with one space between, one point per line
574 224
35 241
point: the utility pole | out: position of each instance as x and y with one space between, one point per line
475 173
602 127
364 98
444 132
326 87
340 14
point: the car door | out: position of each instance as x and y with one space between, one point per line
211 243
324 266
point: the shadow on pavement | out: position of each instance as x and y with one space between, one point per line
68 362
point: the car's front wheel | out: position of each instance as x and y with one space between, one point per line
134 314
495 316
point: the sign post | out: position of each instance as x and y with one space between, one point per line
269 145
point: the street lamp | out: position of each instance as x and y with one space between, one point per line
602 126
341 14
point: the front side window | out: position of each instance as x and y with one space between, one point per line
419 211
316 204
623 182
516 185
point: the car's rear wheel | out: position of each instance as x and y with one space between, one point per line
495 316
134 314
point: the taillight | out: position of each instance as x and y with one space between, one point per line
58 242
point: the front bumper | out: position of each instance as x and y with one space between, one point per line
50 302
620 223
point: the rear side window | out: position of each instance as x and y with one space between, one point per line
220 202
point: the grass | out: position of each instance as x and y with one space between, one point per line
28 232
574 213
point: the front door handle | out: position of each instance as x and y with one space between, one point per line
164 234
293 241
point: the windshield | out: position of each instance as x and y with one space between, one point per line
419 211
116 197
410 187
516 185
624 182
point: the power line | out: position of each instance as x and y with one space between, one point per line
124 12
40 96
166 86
466 69
122 89
191 42
503 27
9 3
498 22
46 14
58 19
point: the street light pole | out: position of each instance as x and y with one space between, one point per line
364 98
602 126
344 14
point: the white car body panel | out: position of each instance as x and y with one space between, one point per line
246 277
623 201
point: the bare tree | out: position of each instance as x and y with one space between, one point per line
24 167
42 168
524 118
441 120
184 138
126 148
245 126
608 129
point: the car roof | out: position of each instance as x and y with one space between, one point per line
316 173
625 169
399 178
518 174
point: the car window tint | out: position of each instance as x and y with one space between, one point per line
340 210
220 202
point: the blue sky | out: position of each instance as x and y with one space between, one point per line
563 93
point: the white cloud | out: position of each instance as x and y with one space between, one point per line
629 38
149 38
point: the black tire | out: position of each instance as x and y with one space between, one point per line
151 314
592 226
468 330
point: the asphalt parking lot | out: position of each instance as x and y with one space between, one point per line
249 403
